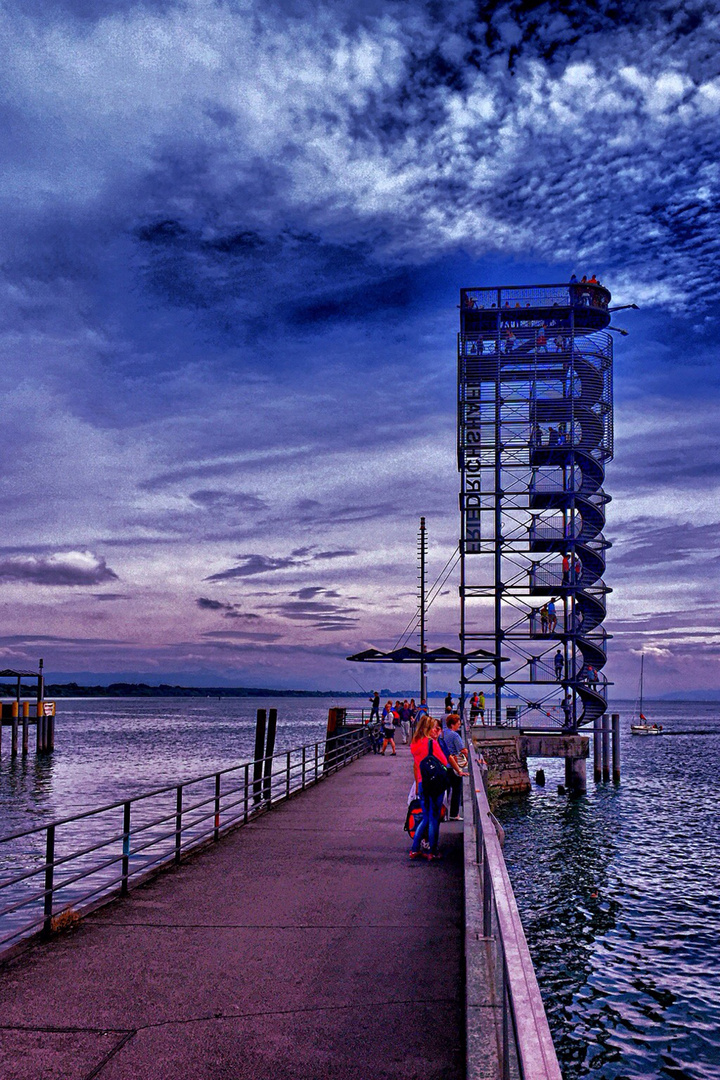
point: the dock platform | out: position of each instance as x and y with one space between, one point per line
304 945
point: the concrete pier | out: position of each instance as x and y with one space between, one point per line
305 945
506 751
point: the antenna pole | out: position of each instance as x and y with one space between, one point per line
422 552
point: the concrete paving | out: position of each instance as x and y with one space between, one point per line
303 946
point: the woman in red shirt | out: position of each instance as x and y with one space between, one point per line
427 729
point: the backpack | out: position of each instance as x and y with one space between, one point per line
433 773
415 812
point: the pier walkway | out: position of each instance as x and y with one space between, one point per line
304 945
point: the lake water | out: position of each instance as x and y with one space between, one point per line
619 897
618 891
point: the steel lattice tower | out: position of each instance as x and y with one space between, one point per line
534 435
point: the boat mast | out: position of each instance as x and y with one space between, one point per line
642 665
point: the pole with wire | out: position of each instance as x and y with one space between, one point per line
422 552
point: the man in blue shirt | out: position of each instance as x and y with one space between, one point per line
451 744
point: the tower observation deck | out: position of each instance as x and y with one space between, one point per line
534 435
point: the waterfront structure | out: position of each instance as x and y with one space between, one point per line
534 435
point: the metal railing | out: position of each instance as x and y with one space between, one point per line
525 1047
52 874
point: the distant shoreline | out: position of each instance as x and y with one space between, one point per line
166 690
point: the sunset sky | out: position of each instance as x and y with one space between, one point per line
233 234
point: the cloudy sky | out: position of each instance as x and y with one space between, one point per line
233 234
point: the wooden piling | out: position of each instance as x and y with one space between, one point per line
51 733
25 726
14 736
606 747
597 749
616 747
269 751
40 735
260 726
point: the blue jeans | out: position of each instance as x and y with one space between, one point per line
430 820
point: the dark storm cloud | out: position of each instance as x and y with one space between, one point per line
63 568
227 500
318 606
251 565
230 611
53 639
342 553
650 544
206 604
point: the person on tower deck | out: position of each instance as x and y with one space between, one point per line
510 340
474 709
559 664
593 281
544 619
566 707
583 279
552 437
552 616
542 339
375 710
566 569
578 570
448 702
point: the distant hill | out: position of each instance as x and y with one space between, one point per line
123 689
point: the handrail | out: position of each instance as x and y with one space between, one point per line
154 836
526 1048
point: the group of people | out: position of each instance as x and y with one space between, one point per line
438 757
404 714
548 617
429 738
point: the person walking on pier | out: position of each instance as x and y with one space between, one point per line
388 728
481 707
474 709
405 721
375 710
448 702
430 793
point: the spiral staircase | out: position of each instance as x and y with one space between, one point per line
534 436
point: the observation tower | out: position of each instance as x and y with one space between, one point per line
534 435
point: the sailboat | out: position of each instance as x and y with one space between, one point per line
644 727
